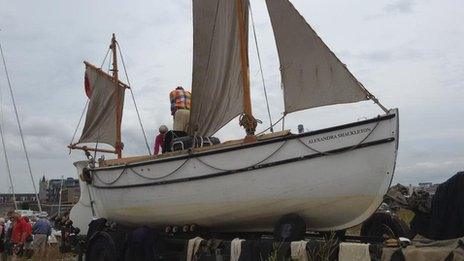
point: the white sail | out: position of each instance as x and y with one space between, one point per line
100 121
217 95
312 75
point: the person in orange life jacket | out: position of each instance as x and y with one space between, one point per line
159 140
180 108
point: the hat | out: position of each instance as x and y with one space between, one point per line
163 129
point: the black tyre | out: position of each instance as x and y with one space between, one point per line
290 227
384 225
101 248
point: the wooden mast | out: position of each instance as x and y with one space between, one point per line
117 97
247 120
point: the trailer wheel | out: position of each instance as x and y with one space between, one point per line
290 227
384 225
101 248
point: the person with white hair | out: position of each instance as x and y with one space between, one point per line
159 140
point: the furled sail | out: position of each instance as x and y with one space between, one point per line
217 93
100 121
312 75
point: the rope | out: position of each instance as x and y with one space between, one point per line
162 177
274 124
4 151
111 182
79 123
261 68
133 99
251 166
20 130
140 175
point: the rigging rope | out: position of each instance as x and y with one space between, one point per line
20 130
4 151
133 99
274 124
79 123
251 166
261 68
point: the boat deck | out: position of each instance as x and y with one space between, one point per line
230 143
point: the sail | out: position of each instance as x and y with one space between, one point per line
217 93
100 121
312 75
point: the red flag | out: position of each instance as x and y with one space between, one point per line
88 88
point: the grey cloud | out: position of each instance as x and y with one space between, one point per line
400 53
400 6
394 7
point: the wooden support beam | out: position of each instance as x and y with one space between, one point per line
104 74
85 148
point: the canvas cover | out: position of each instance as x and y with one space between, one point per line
100 121
217 93
312 75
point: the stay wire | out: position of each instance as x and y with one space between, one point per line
271 128
274 124
133 99
20 129
7 162
79 123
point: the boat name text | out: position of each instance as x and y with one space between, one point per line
339 135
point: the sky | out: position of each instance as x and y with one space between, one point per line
409 53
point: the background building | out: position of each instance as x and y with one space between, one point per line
49 191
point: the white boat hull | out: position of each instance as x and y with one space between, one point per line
333 178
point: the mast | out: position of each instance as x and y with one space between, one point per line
247 120
117 96
60 195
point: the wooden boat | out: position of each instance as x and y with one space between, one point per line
333 178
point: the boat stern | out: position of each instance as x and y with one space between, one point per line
81 213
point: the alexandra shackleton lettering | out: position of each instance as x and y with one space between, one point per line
339 135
